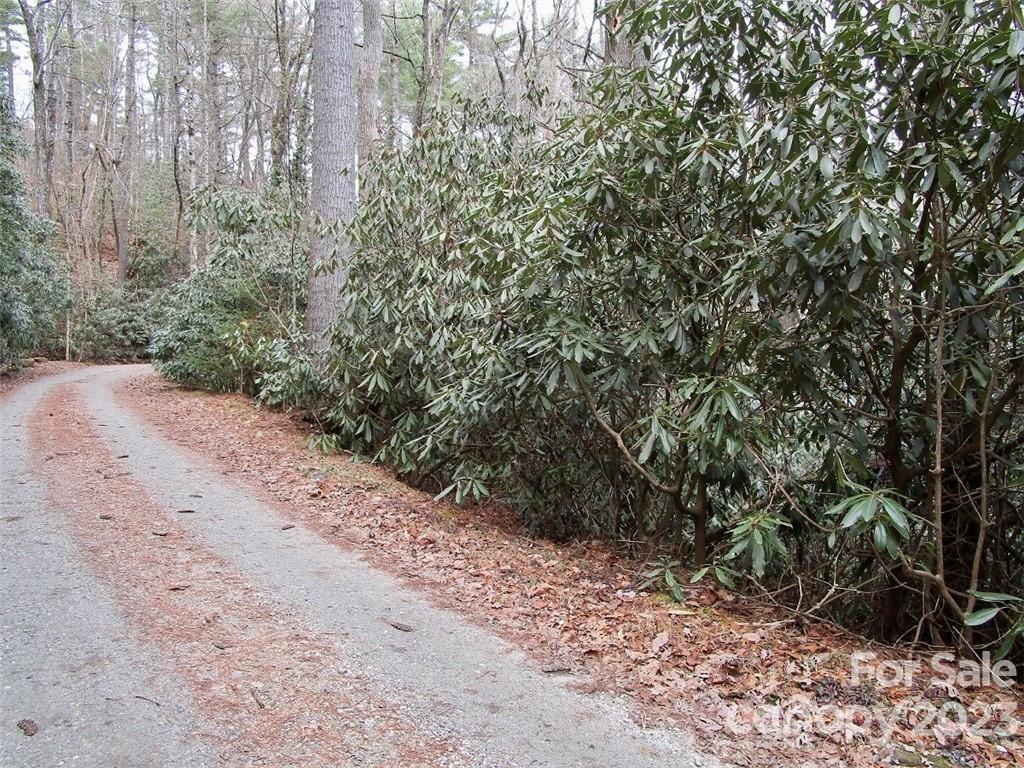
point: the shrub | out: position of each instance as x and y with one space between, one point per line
223 319
111 324
33 288
762 305
763 302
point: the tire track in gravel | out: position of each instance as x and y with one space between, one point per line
270 691
265 588
72 674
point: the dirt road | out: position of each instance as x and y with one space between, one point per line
153 614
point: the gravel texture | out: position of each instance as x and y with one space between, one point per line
71 673
457 682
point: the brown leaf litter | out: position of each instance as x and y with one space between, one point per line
715 665
269 690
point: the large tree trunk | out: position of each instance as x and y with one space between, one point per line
332 188
369 80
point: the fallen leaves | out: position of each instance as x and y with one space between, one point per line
708 664
28 727
660 641
236 652
11 379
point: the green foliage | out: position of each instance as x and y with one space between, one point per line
1010 607
875 513
115 324
422 377
234 319
757 538
33 288
42 310
662 575
109 324
761 304
778 261
155 223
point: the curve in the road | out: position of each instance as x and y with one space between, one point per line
455 680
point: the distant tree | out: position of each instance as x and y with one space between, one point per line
369 80
31 287
10 18
34 19
124 167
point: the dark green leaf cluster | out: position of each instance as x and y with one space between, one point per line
33 288
238 317
762 303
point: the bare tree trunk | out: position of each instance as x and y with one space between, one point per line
619 51
50 133
333 190
10 67
551 70
369 80
176 124
124 173
434 40
70 198
394 112
439 47
291 57
36 36
213 143
244 162
195 256
280 126
71 92
426 71
303 129
260 164
168 76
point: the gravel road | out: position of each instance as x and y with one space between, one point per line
100 691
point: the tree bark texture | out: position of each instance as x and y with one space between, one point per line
369 80
333 181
